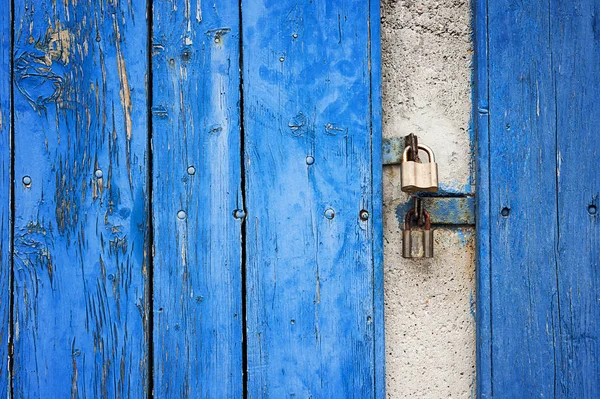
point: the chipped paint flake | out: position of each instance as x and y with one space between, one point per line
125 91
199 11
57 44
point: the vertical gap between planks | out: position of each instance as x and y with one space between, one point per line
149 213
243 207
11 261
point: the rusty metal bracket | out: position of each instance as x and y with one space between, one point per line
392 151
443 210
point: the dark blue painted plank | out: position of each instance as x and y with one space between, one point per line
196 191
575 29
5 191
481 121
523 217
80 252
374 19
312 269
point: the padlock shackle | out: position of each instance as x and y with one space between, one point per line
423 147
409 217
427 220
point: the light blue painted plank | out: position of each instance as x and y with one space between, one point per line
196 191
575 29
309 162
524 237
5 191
80 252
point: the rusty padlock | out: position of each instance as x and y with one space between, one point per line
417 243
417 176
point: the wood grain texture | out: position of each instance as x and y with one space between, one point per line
575 30
481 120
80 252
540 278
5 191
196 191
309 169
523 176
374 20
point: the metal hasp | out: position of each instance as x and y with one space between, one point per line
447 207
417 243
417 176
448 211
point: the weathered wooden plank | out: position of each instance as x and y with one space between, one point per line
523 213
374 20
80 255
5 191
575 30
309 168
543 157
197 200
481 121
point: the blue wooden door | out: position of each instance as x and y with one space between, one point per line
537 112
190 199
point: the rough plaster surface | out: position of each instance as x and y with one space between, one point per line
430 326
427 53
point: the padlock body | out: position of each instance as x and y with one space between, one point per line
417 243
418 176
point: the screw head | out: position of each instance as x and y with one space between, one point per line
239 214
27 181
310 160
364 215
181 215
329 213
191 170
